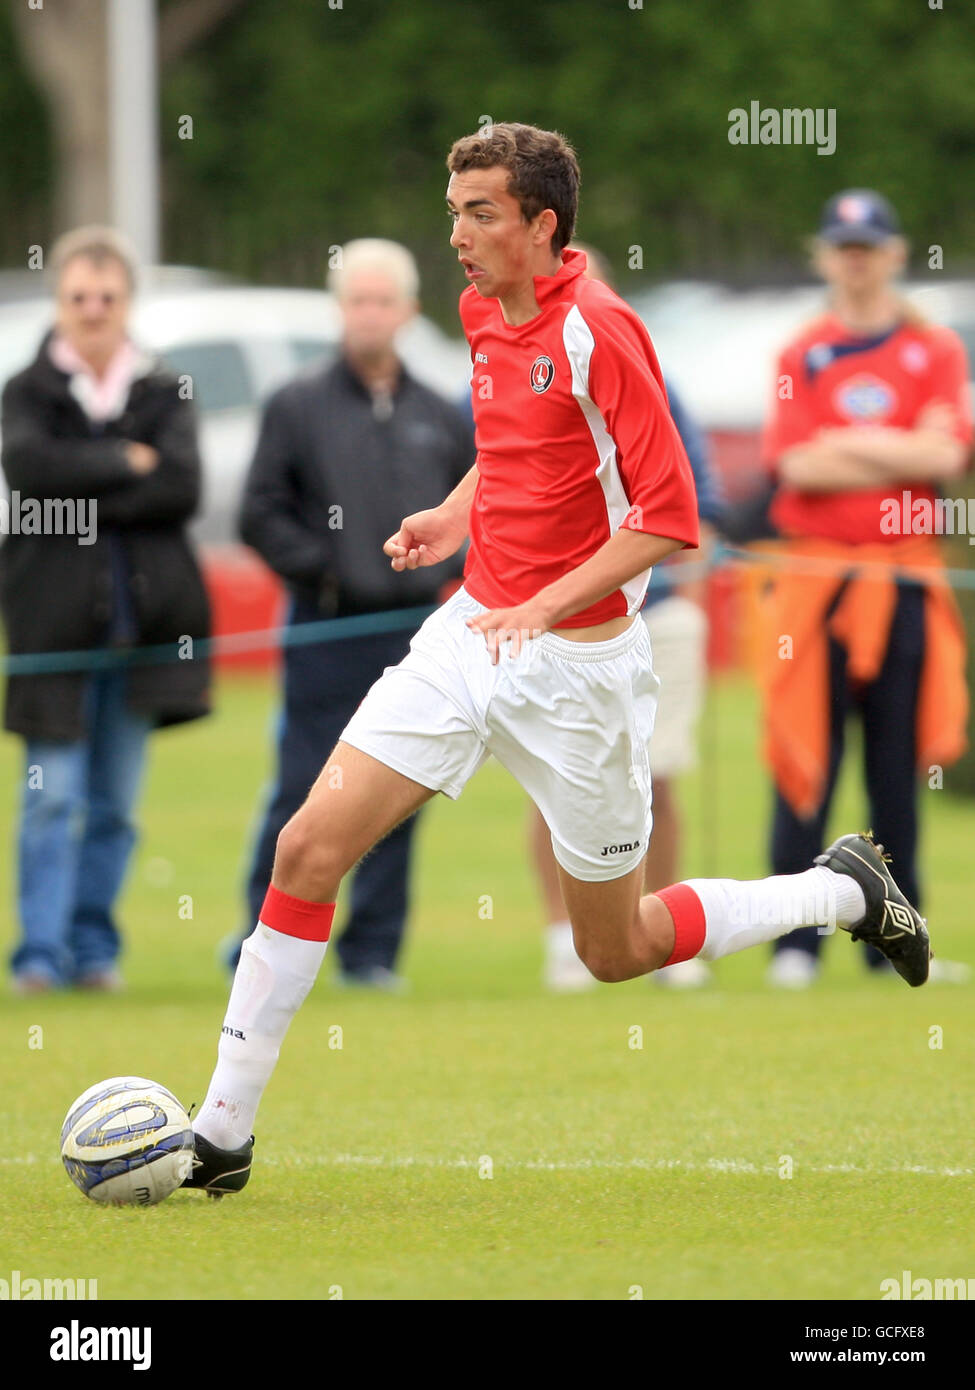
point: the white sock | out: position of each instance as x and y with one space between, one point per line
738 914
273 977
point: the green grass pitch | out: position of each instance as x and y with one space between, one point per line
478 1138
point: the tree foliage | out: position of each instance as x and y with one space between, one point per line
312 124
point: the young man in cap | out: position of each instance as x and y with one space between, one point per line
870 415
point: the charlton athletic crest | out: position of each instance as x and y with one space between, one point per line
542 374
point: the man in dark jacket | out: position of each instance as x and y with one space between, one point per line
99 453
343 452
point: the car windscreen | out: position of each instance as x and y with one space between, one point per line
218 371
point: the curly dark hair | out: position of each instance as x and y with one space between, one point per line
543 171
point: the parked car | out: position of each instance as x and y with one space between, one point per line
719 345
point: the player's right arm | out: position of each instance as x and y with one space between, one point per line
426 538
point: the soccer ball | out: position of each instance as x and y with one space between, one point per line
127 1142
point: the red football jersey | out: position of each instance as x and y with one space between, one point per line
839 379
574 441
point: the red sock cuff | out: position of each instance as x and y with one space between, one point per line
295 917
687 910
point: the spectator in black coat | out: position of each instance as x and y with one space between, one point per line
100 455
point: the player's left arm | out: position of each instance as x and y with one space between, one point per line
625 555
618 560
655 473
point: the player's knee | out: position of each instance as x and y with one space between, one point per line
306 859
601 961
610 972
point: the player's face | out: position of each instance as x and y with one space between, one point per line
496 246
860 269
92 307
373 309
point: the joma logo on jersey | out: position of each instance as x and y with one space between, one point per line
619 849
233 1032
481 357
542 374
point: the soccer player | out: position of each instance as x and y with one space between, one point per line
580 486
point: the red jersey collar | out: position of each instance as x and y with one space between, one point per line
549 287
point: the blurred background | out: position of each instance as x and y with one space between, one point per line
239 143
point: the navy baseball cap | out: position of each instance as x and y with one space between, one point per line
858 216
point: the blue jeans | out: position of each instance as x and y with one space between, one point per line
76 836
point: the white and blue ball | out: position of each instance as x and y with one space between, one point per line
127 1142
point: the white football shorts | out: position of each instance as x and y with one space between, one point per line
571 721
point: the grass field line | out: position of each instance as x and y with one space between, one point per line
577 1165
582 1165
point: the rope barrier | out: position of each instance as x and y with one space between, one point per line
231 643
723 556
